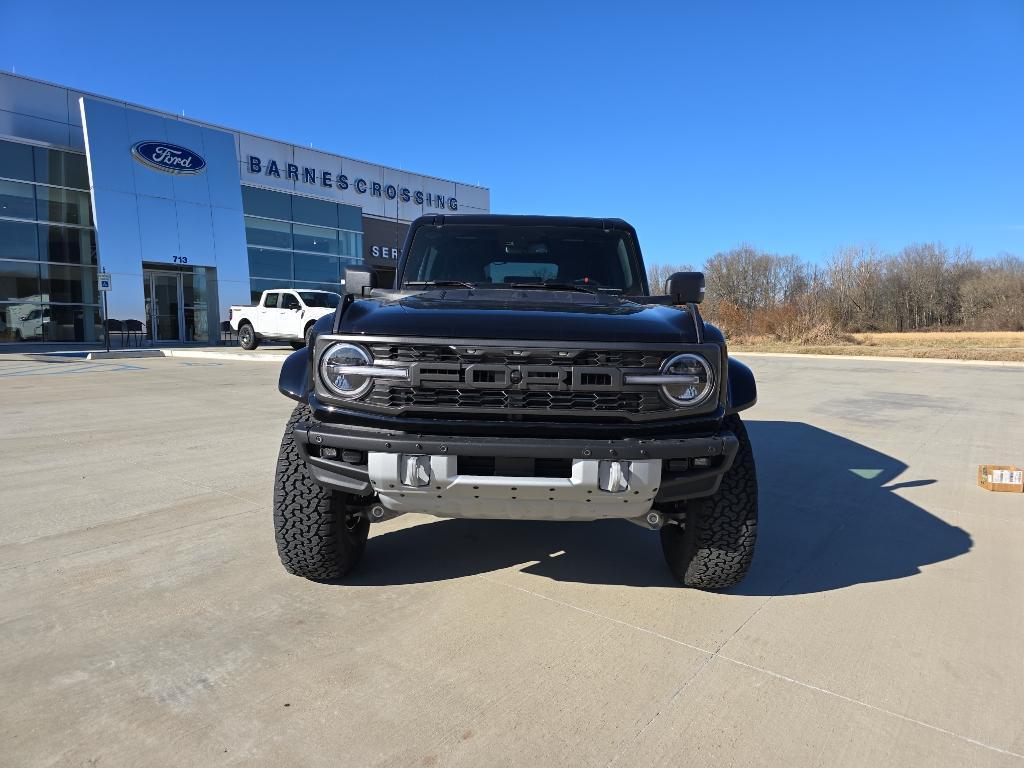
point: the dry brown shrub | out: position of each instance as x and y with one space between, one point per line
786 323
731 319
826 333
774 321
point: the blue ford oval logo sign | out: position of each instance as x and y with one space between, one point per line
168 157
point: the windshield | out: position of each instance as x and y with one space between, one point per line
501 257
317 299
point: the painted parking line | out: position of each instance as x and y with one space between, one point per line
51 369
19 365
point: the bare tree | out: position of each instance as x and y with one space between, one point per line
753 279
992 295
658 275
859 288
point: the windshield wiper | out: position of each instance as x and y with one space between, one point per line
555 287
430 283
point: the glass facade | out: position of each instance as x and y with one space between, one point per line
299 242
48 259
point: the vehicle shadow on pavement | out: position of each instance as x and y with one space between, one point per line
828 520
602 552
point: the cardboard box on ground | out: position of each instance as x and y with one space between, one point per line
996 477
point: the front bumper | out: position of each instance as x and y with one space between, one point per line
375 468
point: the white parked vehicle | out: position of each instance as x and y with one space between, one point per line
31 324
282 315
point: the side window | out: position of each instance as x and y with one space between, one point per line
270 300
289 301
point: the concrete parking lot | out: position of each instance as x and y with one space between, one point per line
145 619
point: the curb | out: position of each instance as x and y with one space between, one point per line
881 359
125 355
242 357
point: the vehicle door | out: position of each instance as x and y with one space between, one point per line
268 315
31 325
291 311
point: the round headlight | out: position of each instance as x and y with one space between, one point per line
696 380
339 366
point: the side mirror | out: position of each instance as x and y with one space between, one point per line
686 287
359 279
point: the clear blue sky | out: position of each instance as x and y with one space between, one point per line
797 127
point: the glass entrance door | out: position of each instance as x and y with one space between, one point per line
164 306
195 291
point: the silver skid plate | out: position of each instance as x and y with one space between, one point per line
579 497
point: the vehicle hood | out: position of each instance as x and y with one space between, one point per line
518 314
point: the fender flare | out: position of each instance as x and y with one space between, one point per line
294 379
742 387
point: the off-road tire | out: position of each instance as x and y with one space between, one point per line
315 537
247 338
714 546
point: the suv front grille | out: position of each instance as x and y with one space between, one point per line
390 395
486 379
457 353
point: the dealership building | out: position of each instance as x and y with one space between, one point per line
186 217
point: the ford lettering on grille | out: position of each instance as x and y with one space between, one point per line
555 378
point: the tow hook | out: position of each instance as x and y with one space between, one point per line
378 513
653 520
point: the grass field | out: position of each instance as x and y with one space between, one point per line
952 345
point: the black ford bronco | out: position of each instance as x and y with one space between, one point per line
519 369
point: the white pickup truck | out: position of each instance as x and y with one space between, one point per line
282 315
